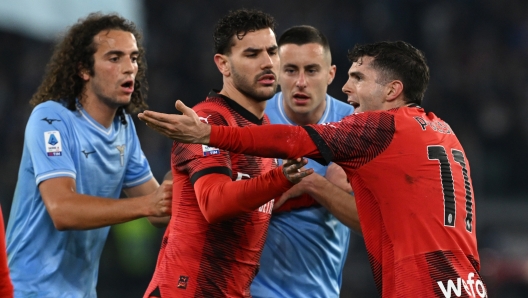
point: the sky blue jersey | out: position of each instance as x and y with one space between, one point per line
305 250
43 261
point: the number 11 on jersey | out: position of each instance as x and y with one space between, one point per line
446 177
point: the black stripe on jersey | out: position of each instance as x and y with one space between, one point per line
211 170
156 293
238 108
321 145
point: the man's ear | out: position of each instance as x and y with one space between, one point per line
83 73
331 74
394 90
222 62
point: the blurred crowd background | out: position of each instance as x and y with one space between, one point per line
478 56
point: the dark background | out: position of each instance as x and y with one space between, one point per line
478 57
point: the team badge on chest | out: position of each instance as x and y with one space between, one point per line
121 149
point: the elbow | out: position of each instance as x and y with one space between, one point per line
60 225
159 222
214 217
60 221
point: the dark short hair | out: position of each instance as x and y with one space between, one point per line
397 60
238 23
76 51
304 34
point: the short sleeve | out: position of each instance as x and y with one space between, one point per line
48 140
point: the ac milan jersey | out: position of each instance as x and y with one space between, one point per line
413 193
202 259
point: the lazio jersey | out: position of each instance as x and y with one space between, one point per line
43 261
305 250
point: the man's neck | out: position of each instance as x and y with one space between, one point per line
312 117
99 111
253 106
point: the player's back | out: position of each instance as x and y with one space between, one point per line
415 201
202 259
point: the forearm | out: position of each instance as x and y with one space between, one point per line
281 141
220 198
82 212
159 222
337 201
302 201
148 188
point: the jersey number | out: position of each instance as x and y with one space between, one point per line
439 153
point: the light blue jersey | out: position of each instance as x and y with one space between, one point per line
305 250
43 261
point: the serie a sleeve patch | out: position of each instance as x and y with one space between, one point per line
209 150
52 142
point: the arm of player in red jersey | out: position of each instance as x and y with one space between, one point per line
286 203
220 198
277 140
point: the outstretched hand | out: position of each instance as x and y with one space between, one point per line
186 128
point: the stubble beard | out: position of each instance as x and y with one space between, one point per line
112 102
249 89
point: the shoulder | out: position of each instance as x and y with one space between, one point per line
50 106
271 103
272 106
50 111
213 111
339 107
275 97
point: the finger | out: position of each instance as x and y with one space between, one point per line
297 166
180 106
156 127
294 162
146 117
302 174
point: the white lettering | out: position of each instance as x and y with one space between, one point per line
450 286
470 283
267 208
470 286
481 290
241 176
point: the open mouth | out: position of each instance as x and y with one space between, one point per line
128 86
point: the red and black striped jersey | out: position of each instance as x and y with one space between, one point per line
414 195
219 259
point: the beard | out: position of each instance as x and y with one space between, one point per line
250 89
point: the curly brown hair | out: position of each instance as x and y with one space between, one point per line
76 51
